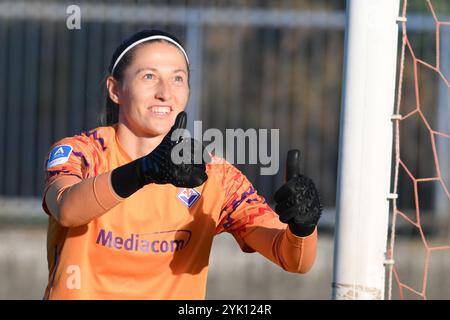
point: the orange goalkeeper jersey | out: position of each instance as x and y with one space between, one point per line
156 243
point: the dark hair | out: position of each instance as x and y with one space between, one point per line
111 114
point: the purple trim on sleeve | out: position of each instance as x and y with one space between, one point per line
228 222
83 158
244 196
96 137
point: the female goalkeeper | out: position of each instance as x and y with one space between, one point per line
128 222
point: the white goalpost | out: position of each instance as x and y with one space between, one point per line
365 149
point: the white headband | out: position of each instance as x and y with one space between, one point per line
148 39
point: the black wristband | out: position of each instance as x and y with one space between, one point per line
126 179
301 230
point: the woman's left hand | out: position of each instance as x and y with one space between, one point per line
298 200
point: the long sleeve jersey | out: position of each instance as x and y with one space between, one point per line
156 243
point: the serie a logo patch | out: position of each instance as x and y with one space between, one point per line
59 155
188 196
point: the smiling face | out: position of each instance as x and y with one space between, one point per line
154 89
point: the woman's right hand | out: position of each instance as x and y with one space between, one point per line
175 160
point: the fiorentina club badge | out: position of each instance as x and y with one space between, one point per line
188 196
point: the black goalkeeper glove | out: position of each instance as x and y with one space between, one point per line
298 201
158 167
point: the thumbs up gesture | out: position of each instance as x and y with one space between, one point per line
158 167
298 201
